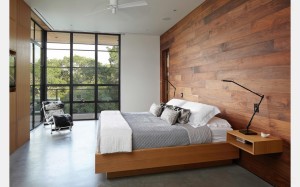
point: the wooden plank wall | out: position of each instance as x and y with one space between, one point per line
247 41
20 99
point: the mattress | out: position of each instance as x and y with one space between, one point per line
219 133
149 131
219 128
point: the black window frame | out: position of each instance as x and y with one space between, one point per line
71 84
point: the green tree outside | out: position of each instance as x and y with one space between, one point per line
58 72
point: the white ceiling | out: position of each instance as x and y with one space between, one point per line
86 15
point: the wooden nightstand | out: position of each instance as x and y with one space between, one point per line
255 144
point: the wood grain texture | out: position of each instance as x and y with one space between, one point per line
23 73
13 25
246 41
111 175
256 145
21 111
164 157
12 122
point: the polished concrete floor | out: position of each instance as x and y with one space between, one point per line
66 159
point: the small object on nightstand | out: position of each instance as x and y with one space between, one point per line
264 135
240 140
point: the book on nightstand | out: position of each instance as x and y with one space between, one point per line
240 140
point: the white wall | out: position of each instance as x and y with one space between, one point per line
140 72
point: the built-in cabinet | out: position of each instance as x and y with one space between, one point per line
19 99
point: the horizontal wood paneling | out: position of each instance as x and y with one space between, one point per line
246 41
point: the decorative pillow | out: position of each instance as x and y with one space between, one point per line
155 110
200 113
184 115
162 104
169 116
169 106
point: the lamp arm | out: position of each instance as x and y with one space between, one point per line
256 109
172 86
248 89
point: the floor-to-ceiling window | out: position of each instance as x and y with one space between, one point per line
35 74
58 67
108 73
83 72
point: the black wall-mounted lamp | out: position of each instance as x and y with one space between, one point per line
172 86
256 109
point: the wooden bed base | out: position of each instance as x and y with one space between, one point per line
157 160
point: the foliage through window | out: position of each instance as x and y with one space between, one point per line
84 74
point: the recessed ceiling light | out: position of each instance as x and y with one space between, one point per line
166 19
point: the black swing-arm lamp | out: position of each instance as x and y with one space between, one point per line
256 109
172 86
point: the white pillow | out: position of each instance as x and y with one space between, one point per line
218 123
176 102
200 113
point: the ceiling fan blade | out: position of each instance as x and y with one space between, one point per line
96 12
133 4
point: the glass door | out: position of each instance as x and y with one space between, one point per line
35 75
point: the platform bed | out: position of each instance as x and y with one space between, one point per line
156 160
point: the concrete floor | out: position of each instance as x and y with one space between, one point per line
66 159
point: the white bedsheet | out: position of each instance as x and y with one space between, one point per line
115 135
219 128
219 133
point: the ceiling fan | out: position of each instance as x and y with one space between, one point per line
114 5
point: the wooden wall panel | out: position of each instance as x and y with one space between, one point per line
12 122
20 99
247 41
13 25
23 73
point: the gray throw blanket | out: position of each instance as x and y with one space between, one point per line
149 131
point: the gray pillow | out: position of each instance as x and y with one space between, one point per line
169 116
184 116
155 110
